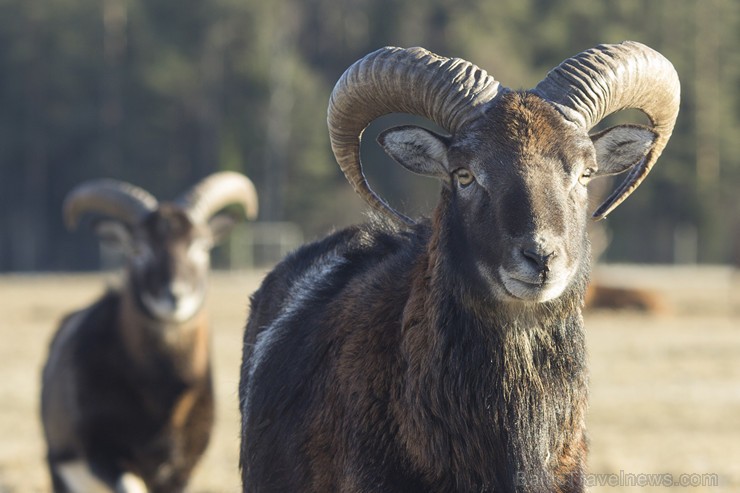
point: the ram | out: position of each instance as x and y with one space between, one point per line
127 397
447 354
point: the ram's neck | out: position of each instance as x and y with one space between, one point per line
485 376
178 349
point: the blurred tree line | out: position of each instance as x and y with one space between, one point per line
163 92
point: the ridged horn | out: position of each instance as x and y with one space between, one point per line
113 198
217 191
447 91
609 78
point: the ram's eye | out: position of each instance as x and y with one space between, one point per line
586 176
464 177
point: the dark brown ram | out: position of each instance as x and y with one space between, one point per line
447 354
127 397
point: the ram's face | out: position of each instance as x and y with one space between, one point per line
515 198
170 264
518 189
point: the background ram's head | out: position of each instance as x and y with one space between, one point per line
167 245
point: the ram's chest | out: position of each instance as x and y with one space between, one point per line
487 410
170 350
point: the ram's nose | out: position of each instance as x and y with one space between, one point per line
538 258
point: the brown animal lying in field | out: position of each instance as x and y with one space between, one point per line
619 298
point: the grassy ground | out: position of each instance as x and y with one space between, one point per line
665 387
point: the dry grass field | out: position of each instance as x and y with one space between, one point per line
665 387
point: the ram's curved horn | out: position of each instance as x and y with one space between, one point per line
609 78
113 198
447 91
217 191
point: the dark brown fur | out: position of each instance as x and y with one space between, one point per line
447 356
451 410
126 392
146 413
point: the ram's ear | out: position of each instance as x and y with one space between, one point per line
221 226
417 149
115 235
621 147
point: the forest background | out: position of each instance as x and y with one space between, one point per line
161 93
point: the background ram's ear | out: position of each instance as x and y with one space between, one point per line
417 149
221 226
621 147
115 235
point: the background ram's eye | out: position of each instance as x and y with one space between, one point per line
464 177
586 176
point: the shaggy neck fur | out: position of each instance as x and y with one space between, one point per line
500 388
183 348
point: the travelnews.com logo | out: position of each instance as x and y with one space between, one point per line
622 479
